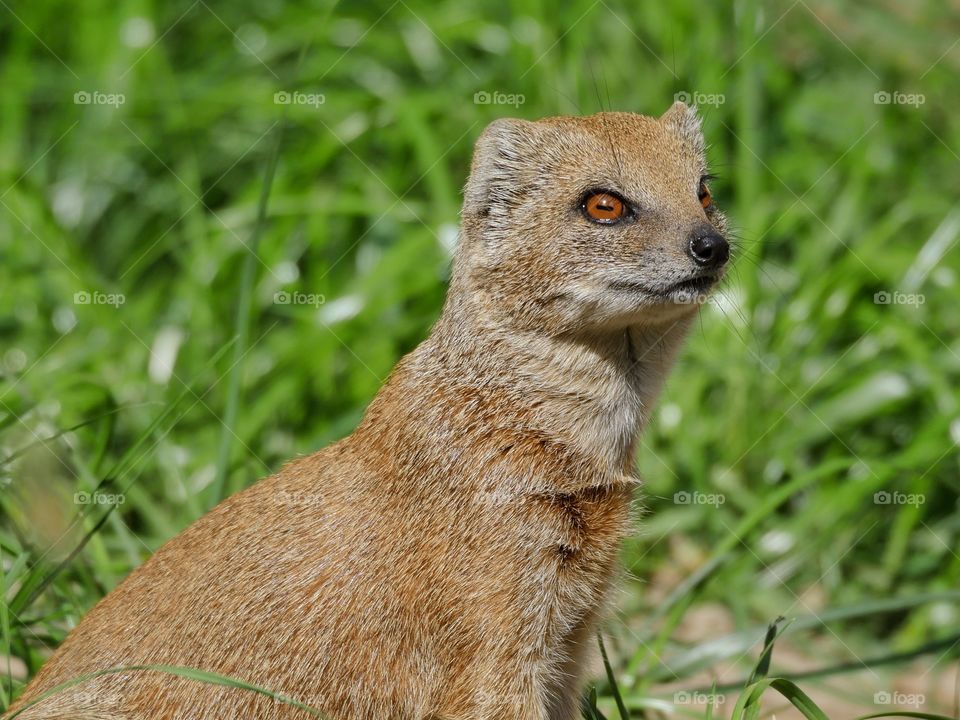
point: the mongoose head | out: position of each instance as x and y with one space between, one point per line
591 223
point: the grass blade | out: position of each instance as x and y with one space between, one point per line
241 328
800 700
203 676
614 688
763 665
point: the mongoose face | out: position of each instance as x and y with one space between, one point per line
592 223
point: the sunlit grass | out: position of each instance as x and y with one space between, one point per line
803 458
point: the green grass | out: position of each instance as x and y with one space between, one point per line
198 199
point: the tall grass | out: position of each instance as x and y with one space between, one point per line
803 461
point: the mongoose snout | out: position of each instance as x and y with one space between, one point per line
708 248
467 541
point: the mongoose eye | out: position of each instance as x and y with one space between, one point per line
706 199
604 207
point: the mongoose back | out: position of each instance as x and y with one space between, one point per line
450 559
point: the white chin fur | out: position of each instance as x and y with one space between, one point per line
606 308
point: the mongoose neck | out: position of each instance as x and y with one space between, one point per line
594 390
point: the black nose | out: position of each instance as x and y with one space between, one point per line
708 249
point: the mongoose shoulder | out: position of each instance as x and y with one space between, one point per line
453 556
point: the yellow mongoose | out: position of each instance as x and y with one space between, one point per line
451 558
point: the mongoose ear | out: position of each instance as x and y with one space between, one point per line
500 159
685 122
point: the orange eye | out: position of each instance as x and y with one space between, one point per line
706 199
604 207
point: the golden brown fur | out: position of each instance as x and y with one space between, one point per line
452 557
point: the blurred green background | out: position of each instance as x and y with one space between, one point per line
221 224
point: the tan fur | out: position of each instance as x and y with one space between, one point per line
452 557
